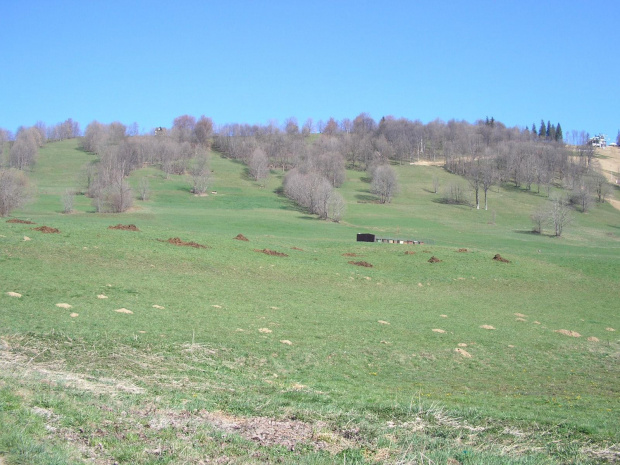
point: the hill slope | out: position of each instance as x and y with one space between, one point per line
227 348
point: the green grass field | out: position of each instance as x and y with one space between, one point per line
252 358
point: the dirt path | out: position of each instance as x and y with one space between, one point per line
610 164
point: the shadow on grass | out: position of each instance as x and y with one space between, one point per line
366 179
533 233
445 201
368 198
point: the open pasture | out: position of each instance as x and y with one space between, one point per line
122 346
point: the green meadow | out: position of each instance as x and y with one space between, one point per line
226 354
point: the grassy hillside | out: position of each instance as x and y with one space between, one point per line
235 355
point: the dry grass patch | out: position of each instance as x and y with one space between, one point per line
463 352
437 330
64 305
124 310
13 294
567 332
487 327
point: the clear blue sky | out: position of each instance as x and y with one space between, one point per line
256 61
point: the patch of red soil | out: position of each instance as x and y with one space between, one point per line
297 248
499 258
178 241
364 264
349 254
271 252
462 250
46 229
16 220
409 252
433 259
241 237
125 227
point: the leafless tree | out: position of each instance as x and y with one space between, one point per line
455 194
183 128
599 185
203 131
13 190
68 200
4 137
559 214
24 151
539 218
308 127
291 127
582 196
337 206
258 165
94 137
435 184
200 172
384 183
144 190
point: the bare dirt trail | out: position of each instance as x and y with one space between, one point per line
610 164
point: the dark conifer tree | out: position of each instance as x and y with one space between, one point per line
548 130
542 131
559 137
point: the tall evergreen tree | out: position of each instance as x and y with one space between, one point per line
533 130
559 137
548 130
542 131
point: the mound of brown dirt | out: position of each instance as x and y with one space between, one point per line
271 252
433 259
365 264
409 252
16 220
241 237
350 254
297 248
462 250
177 241
46 229
567 332
499 258
125 227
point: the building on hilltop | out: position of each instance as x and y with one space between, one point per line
598 141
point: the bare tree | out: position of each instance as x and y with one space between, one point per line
4 137
308 127
182 128
384 183
291 127
582 196
337 206
24 151
68 199
13 185
144 190
200 172
94 137
539 218
203 131
258 164
559 214
435 183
